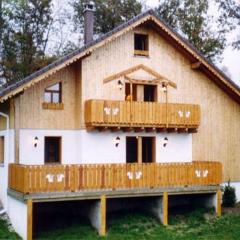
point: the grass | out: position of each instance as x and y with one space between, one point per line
141 226
5 232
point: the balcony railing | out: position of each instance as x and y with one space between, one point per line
62 178
100 113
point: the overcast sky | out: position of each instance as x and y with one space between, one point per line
231 58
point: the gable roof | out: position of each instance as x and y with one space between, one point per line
148 17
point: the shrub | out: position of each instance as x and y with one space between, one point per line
229 196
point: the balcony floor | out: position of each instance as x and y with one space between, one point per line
109 193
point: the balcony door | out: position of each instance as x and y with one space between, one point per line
140 149
52 150
141 92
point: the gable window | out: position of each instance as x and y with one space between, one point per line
141 44
53 97
53 94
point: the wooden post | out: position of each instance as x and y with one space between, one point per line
102 231
139 156
165 208
218 205
29 219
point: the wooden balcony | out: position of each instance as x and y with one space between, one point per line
127 114
74 178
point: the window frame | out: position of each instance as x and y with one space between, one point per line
59 153
52 92
145 50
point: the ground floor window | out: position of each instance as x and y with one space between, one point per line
140 149
52 150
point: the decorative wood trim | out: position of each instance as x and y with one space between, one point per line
52 106
80 178
159 78
29 219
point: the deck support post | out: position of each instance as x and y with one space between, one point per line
102 230
218 203
165 208
29 219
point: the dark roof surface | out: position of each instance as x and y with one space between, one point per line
103 37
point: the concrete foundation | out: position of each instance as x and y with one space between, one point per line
94 215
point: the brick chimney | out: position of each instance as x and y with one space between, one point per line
88 22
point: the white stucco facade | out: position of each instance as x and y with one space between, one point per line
82 147
8 158
17 212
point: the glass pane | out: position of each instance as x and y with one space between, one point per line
56 97
55 87
47 97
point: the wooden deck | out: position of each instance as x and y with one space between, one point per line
64 178
101 113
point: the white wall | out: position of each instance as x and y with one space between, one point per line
17 212
8 158
82 147
100 148
28 154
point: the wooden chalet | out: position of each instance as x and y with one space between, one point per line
136 113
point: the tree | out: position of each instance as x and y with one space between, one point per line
24 33
108 13
192 20
230 14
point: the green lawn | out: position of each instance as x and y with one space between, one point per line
5 233
140 226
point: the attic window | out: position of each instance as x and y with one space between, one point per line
141 44
53 97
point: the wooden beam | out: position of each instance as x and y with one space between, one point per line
150 129
122 73
158 76
139 129
103 229
115 129
196 65
29 219
192 130
165 208
219 203
127 129
163 129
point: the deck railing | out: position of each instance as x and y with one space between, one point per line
58 178
141 114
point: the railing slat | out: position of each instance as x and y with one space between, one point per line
149 114
55 178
